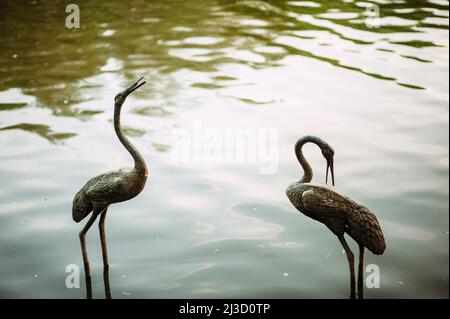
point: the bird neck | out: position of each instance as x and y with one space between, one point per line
139 163
307 170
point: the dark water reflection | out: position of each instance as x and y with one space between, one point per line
379 95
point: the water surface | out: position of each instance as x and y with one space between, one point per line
219 230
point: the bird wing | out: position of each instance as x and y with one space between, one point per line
107 186
342 214
326 201
364 228
327 206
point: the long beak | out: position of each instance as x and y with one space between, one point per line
330 167
133 87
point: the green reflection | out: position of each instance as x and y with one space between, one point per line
12 106
41 130
51 62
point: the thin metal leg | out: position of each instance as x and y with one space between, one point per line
361 273
87 268
88 287
101 227
351 260
106 282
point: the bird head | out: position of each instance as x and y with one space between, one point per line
328 153
120 98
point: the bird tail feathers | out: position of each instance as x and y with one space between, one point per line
81 207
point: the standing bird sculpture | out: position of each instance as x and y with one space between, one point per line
108 188
338 212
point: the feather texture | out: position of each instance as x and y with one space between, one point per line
105 189
339 213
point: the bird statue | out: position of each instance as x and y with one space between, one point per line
108 188
337 211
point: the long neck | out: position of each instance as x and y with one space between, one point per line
139 163
307 170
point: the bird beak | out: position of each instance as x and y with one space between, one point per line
133 87
330 166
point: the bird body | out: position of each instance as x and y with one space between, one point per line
108 188
339 213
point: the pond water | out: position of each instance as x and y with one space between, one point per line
376 89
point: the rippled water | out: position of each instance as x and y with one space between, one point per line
378 95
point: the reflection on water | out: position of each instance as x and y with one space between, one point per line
378 95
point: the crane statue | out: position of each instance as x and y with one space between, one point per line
108 188
338 212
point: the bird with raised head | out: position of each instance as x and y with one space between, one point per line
338 212
108 188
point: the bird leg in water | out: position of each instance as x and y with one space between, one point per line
87 269
361 272
106 282
351 264
101 227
